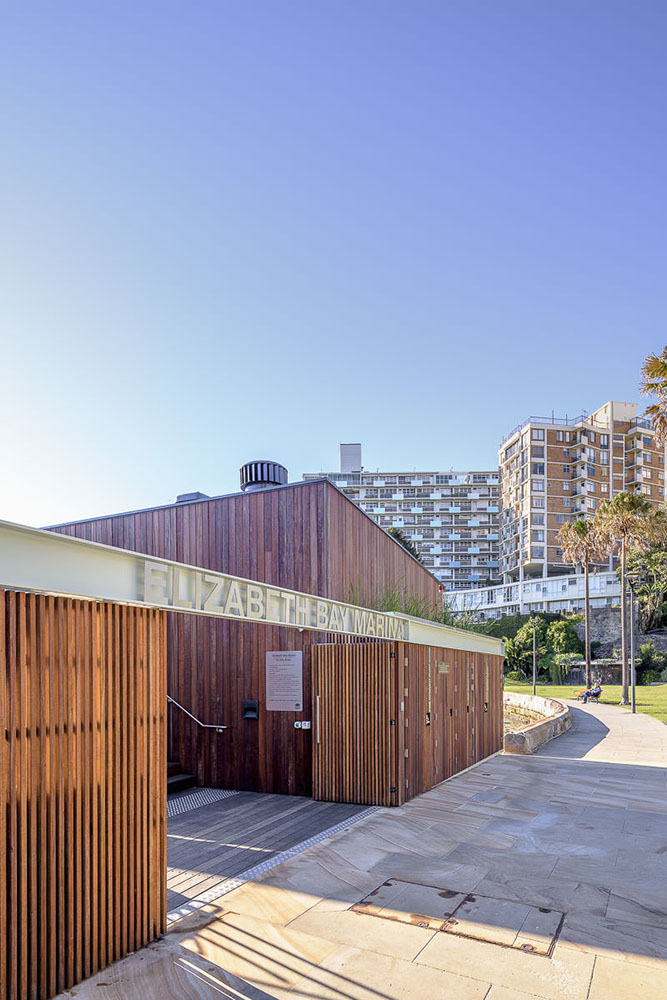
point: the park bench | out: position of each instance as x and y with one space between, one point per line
591 697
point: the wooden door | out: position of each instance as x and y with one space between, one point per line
356 723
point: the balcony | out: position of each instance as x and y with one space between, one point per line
454 510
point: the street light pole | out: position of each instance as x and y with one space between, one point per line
533 620
632 641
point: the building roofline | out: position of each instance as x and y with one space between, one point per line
240 493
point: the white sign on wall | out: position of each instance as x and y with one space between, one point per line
284 681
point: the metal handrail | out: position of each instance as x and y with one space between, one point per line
204 725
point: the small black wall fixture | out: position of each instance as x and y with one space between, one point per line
250 709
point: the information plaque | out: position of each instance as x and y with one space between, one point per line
284 681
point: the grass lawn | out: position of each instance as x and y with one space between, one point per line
648 699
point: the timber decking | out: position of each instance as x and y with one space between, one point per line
209 845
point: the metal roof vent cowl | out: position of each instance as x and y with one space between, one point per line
186 497
261 475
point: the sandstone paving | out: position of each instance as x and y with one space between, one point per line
580 829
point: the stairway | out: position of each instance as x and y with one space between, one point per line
177 780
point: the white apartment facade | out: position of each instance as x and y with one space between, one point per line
544 594
450 517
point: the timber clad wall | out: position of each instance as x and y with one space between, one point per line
82 788
307 537
393 719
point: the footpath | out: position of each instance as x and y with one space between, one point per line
525 878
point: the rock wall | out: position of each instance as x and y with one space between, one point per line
606 629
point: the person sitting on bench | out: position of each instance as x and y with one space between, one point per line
593 692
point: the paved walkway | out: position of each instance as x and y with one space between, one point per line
570 843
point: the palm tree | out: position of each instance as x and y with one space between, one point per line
654 383
628 520
583 543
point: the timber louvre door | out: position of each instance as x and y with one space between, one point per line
356 723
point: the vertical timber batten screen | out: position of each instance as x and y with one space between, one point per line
82 788
393 719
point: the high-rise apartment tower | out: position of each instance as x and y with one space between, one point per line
552 470
450 517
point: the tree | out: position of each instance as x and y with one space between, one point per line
649 568
519 649
583 543
654 383
562 637
628 520
403 540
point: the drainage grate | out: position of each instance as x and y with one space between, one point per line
505 922
177 804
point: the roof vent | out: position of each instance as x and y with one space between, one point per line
261 475
184 497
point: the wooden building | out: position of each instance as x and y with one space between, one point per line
309 537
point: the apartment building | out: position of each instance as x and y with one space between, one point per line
551 594
450 517
554 469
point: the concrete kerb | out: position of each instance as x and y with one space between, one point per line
556 718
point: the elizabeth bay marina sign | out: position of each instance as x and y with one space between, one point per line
49 563
186 589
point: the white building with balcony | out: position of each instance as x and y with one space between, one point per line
547 594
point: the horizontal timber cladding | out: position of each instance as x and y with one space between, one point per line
82 788
393 719
306 537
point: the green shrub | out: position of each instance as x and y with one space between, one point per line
648 677
562 637
650 657
516 675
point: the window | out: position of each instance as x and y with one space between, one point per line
537 536
538 451
538 501
604 440
604 458
591 436
566 469
538 434
566 487
566 502
647 441
560 518
559 435
538 484
537 469
538 553
590 470
566 452
648 457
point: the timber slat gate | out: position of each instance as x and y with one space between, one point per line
82 788
393 719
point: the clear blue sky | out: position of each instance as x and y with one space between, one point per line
236 230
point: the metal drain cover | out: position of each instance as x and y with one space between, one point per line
532 929
411 903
